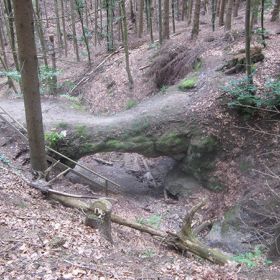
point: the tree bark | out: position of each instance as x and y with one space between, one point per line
125 42
275 11
229 15
195 29
73 24
160 21
30 82
141 16
222 12
166 32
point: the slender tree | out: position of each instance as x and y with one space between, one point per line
262 23
275 11
195 29
73 24
229 15
10 17
141 17
125 43
64 27
248 41
160 21
236 8
30 82
222 12
166 32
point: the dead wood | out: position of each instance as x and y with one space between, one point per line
98 214
238 63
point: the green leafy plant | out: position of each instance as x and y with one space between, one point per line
14 75
53 137
188 83
4 160
130 104
243 96
250 259
153 221
46 76
147 254
273 94
163 89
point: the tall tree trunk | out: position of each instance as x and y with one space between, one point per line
40 32
53 80
248 40
2 45
229 15
190 12
10 15
150 18
160 21
275 11
30 82
58 29
141 17
222 12
262 23
255 10
125 37
95 21
173 15
64 27
195 29
165 34
73 24
79 10
213 13
236 8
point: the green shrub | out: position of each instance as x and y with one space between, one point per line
273 94
53 137
130 104
243 96
14 75
252 259
188 83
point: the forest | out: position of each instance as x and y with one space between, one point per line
139 139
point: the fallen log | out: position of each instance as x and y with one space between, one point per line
98 215
160 126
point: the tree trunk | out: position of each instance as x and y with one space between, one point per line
141 16
10 15
160 21
190 12
173 16
236 8
58 29
64 27
165 34
229 15
73 24
125 43
30 82
79 10
222 12
248 40
262 23
195 29
40 32
276 10
158 127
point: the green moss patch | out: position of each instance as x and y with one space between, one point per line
188 83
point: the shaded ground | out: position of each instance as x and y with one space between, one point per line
43 240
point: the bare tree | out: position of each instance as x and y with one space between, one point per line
30 82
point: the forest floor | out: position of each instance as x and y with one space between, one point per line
41 239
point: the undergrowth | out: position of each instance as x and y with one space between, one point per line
244 98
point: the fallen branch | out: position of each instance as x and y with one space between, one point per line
172 239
